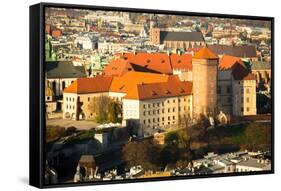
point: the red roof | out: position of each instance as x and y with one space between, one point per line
227 62
90 85
158 62
205 53
172 88
117 67
181 62
148 62
136 85
130 80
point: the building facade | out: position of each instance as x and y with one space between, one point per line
161 99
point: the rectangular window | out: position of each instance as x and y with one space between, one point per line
229 99
219 90
248 109
247 100
144 121
168 110
242 109
88 99
163 118
228 89
143 106
144 113
247 90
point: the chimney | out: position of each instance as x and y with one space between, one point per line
168 53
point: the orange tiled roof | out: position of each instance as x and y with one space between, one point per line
158 62
136 85
182 62
239 72
90 85
117 67
130 80
227 62
172 88
148 62
205 53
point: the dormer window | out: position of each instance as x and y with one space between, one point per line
182 90
121 87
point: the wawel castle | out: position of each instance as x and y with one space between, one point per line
159 89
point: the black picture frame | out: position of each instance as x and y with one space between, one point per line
37 119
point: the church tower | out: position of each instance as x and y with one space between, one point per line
204 74
154 31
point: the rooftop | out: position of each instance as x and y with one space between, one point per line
90 85
205 53
148 62
238 51
259 65
227 62
64 69
181 36
239 72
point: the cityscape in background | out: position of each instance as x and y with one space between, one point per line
137 95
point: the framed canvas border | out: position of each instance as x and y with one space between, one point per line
37 129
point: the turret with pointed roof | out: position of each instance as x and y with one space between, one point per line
204 74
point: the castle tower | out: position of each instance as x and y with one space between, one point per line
204 74
154 31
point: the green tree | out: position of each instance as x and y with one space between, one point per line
257 136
